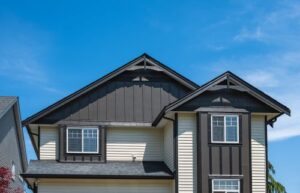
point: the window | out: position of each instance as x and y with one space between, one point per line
82 140
225 129
225 186
13 171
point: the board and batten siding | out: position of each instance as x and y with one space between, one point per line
48 143
187 159
258 154
106 186
145 144
169 146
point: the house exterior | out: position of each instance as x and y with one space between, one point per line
12 146
144 128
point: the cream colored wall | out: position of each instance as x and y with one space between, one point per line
258 155
105 186
143 143
48 143
187 154
169 146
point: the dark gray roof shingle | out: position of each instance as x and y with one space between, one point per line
114 169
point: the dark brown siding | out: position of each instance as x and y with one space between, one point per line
134 96
216 160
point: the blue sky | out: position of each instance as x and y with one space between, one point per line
50 49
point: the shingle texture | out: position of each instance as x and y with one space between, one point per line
5 103
109 169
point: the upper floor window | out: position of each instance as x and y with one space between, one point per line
225 129
82 140
225 186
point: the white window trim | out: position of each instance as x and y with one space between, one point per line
237 191
225 130
82 140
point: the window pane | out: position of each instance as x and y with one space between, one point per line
90 140
218 128
226 185
74 140
231 129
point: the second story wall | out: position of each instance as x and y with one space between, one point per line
122 144
141 144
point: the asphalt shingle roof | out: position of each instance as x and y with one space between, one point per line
113 169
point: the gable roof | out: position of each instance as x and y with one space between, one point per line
230 78
146 61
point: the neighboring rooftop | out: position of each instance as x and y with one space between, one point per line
117 169
5 103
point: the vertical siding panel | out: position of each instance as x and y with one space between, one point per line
258 149
93 114
75 110
205 164
102 116
172 92
138 102
225 160
120 102
246 152
111 102
235 160
187 153
84 108
164 94
155 99
215 160
129 101
147 103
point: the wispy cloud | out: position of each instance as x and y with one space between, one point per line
22 52
280 26
262 78
246 34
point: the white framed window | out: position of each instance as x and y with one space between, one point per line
225 129
226 186
82 140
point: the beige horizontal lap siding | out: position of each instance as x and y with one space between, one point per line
169 146
48 143
258 154
187 153
146 144
106 186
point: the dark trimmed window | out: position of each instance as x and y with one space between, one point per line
82 140
224 129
